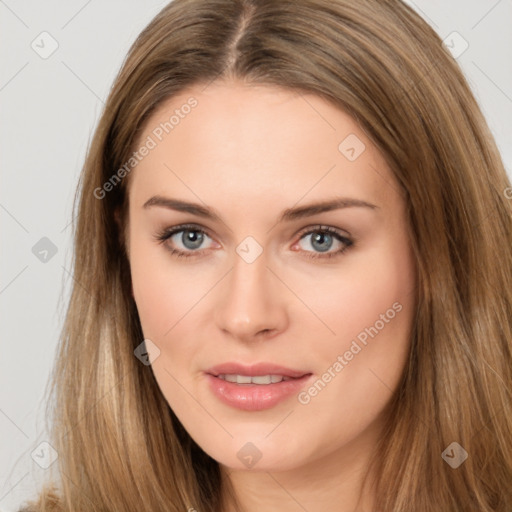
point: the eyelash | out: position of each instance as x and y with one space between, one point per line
165 234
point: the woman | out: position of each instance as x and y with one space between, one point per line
347 346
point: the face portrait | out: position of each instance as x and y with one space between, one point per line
286 276
273 274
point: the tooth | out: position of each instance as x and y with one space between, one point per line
249 379
262 379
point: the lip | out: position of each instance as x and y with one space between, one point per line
256 369
255 397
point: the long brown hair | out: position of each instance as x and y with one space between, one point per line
120 446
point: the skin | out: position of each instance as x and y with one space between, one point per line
249 153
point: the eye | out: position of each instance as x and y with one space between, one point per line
186 240
322 239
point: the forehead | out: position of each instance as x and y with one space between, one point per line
248 143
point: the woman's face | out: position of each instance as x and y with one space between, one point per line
294 268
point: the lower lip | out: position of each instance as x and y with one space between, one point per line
255 397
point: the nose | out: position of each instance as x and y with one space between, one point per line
252 305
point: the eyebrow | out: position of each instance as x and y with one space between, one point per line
287 215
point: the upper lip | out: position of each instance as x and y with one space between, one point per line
257 369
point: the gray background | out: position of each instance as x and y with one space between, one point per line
49 108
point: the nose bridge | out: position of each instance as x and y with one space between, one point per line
249 278
251 302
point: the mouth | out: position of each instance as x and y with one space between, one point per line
255 387
253 379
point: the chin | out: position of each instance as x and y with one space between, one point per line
256 452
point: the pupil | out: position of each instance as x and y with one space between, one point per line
321 238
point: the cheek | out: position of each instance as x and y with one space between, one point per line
165 297
366 315
370 291
169 296
371 311
163 291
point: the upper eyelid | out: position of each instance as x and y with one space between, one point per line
324 227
